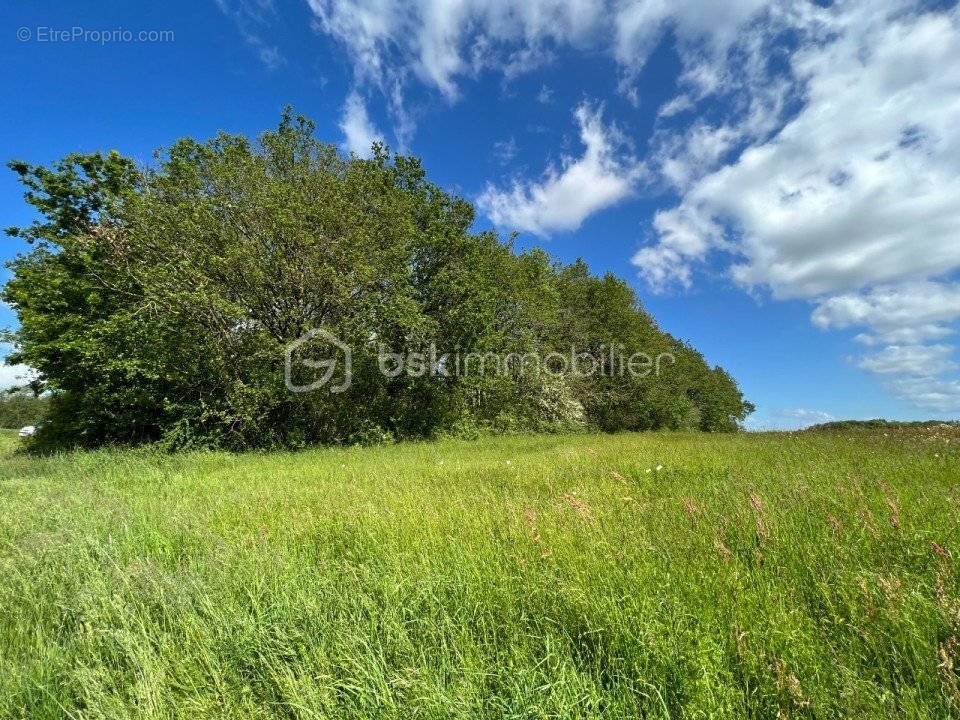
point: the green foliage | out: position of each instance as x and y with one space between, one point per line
881 424
781 575
157 305
21 407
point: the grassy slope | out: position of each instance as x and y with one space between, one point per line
525 577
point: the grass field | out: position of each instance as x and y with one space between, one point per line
661 575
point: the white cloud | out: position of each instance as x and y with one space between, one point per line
603 176
937 394
675 106
851 201
788 419
689 157
797 418
905 335
15 375
505 150
806 415
915 360
251 18
913 309
860 186
357 128
903 320
683 235
441 40
269 55
639 26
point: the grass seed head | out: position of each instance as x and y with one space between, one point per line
894 512
581 508
721 547
690 507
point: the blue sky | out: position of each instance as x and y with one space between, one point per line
778 181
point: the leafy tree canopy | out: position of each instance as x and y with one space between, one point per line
157 304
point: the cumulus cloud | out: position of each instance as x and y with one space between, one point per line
859 187
685 158
850 201
915 310
604 175
936 394
914 360
357 128
904 321
683 235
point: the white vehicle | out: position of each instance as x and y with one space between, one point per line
27 431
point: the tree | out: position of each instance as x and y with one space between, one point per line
157 303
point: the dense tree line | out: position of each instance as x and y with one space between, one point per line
20 407
157 305
882 424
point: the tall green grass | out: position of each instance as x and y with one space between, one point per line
750 576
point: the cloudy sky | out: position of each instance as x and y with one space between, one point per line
780 182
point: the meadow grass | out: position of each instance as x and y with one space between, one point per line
656 575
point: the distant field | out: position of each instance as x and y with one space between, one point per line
661 575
